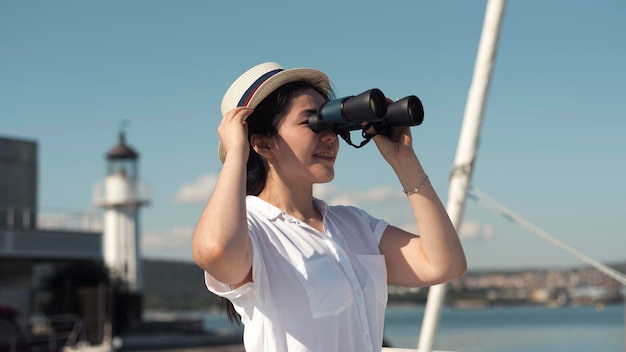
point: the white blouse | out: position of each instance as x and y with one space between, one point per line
311 291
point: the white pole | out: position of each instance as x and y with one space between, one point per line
466 153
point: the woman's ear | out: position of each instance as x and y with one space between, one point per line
261 145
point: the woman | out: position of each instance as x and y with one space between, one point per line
303 275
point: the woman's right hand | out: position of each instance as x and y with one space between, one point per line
233 131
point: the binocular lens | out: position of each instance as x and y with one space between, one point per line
373 106
378 104
405 112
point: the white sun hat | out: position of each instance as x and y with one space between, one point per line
260 81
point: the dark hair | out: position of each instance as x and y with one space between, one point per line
265 120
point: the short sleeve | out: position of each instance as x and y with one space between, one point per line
224 290
377 225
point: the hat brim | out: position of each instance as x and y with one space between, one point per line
315 77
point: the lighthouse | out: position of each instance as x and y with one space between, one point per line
122 195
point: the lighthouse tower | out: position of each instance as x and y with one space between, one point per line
121 195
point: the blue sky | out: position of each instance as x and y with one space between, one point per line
552 146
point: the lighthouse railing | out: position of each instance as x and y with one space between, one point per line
138 194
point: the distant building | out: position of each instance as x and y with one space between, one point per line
18 183
53 265
30 254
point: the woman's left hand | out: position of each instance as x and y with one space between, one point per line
397 150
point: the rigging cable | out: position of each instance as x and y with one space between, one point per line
489 203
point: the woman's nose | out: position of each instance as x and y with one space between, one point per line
328 135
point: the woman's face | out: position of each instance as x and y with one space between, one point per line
300 154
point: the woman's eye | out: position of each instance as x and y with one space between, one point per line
308 119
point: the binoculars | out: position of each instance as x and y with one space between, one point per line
349 113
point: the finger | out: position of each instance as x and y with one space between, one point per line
240 114
234 120
245 112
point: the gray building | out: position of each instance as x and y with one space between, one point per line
18 183
38 261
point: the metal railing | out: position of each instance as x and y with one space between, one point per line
138 193
16 217
91 221
23 218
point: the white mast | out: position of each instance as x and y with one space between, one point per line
466 153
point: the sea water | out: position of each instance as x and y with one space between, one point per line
499 329
513 328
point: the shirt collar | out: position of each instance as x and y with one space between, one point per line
272 212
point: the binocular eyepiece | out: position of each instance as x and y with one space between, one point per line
348 113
